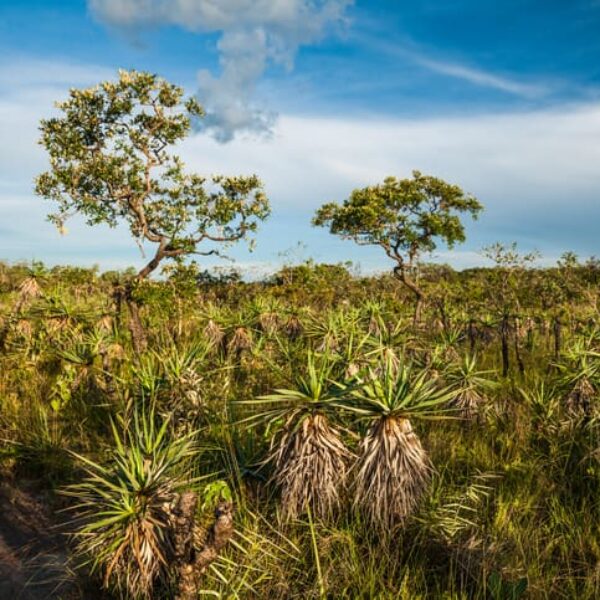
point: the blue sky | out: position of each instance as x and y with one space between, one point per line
319 97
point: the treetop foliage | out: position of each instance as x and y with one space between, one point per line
404 216
111 161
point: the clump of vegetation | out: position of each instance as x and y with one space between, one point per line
393 469
310 460
126 506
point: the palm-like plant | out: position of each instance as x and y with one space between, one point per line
265 315
60 312
29 288
214 331
124 509
309 458
449 341
471 384
181 366
393 469
579 375
543 402
373 312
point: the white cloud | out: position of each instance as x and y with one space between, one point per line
29 88
536 172
534 157
18 74
254 34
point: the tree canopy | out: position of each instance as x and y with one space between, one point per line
111 161
406 217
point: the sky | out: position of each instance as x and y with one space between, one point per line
319 97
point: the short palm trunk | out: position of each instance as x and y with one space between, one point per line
580 398
468 404
393 471
311 465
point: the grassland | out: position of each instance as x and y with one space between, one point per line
503 501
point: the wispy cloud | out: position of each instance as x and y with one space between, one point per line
18 73
483 78
474 75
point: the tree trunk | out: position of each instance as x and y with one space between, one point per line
400 273
557 331
152 265
118 294
518 356
472 337
138 334
441 305
505 351
191 564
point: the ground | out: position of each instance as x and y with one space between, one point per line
33 550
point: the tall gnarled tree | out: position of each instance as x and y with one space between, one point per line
111 161
405 217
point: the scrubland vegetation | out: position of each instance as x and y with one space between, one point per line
359 455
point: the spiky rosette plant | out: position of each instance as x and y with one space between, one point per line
372 313
214 333
543 401
472 385
293 327
214 329
391 340
265 315
240 340
393 469
124 510
183 366
29 288
579 376
309 458
449 341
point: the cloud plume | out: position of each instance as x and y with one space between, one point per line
254 35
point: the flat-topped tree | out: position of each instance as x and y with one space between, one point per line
111 161
406 217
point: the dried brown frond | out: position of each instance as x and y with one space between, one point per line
392 472
240 340
580 398
468 402
24 328
29 290
311 467
268 323
189 386
437 326
374 328
450 354
293 327
57 324
388 356
352 370
105 323
115 351
330 343
214 333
